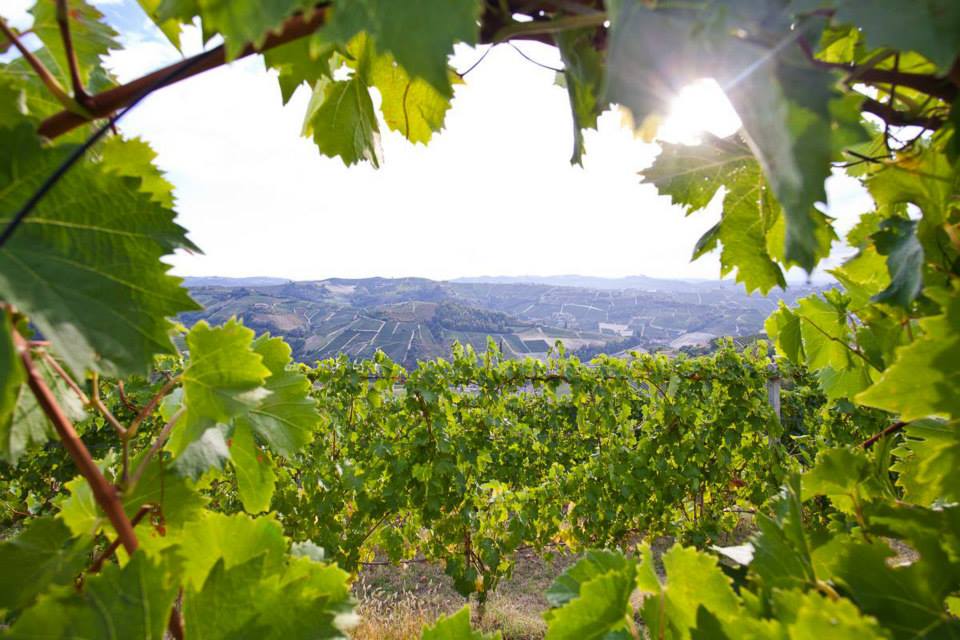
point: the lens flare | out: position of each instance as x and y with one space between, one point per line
698 108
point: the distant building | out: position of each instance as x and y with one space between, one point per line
622 330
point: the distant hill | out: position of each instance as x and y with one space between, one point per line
216 281
593 282
412 319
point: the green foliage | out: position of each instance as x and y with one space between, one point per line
88 276
43 554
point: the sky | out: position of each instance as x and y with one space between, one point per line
492 194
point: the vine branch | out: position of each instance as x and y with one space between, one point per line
63 21
155 448
49 81
105 494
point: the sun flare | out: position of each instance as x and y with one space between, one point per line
698 108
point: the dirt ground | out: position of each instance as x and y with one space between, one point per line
396 602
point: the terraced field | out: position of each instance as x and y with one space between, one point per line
411 319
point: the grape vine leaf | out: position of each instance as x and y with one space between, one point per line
245 22
929 27
897 240
287 416
305 60
256 479
420 35
133 158
602 603
235 538
92 38
410 106
28 425
926 374
907 599
783 327
694 580
89 277
172 496
227 602
44 553
928 462
129 602
812 615
456 626
170 27
583 77
226 374
691 175
341 121
594 563
12 377
786 105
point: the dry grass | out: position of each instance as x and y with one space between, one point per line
396 602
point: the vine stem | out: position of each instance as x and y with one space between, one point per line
150 406
872 440
51 83
155 447
63 21
113 546
105 494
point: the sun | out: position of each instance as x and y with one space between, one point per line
698 108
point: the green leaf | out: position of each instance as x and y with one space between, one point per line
909 600
749 212
593 564
812 615
92 38
692 175
602 603
583 77
928 465
707 242
170 27
420 35
255 476
28 425
174 500
44 553
209 450
12 377
456 626
227 602
243 22
926 374
410 106
116 604
226 374
790 136
783 327
133 158
236 539
694 580
341 121
89 276
823 326
929 27
305 60
286 418
898 241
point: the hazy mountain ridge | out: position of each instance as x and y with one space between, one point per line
416 318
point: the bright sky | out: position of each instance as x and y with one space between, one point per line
493 194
